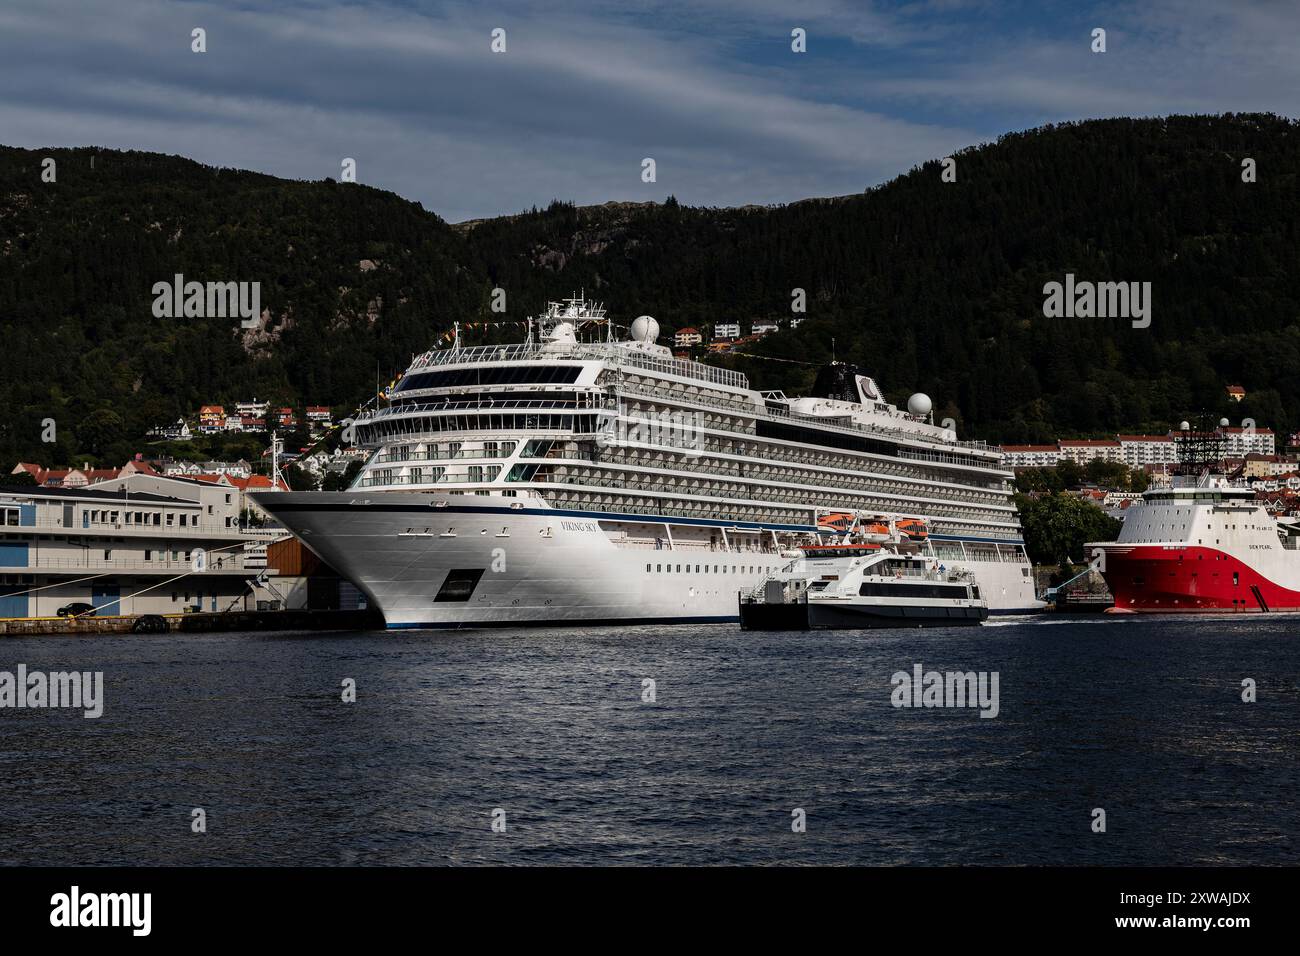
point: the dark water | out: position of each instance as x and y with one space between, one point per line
1143 718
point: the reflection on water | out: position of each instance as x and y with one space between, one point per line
1142 717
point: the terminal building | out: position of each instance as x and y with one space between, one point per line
142 544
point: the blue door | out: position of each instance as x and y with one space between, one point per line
13 554
12 605
106 598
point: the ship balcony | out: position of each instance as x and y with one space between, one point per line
798 499
471 454
779 494
751 411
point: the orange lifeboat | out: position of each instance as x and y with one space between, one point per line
914 528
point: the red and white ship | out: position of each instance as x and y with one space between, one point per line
1203 545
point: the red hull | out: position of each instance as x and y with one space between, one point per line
1180 579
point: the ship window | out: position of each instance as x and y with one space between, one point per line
459 584
647 569
492 375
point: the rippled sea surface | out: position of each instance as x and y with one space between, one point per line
1142 718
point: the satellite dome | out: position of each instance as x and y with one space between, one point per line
1184 426
919 404
645 329
1223 423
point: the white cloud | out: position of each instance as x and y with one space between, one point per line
585 92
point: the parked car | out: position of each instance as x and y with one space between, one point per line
76 609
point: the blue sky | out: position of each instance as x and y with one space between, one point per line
709 88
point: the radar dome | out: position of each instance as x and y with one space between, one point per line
1223 423
1184 426
919 404
645 329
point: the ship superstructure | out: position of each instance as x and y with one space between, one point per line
580 476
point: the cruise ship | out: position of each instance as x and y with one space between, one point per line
589 476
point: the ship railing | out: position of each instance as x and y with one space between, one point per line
490 474
794 497
973 497
667 511
750 514
696 548
738 407
471 454
613 354
753 410
597 403
870 429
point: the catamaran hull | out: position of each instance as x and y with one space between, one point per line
818 616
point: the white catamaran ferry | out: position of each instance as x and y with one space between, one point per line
567 479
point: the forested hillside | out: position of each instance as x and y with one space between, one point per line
932 285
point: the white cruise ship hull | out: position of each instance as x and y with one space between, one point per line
430 561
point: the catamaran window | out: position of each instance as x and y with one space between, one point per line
872 589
